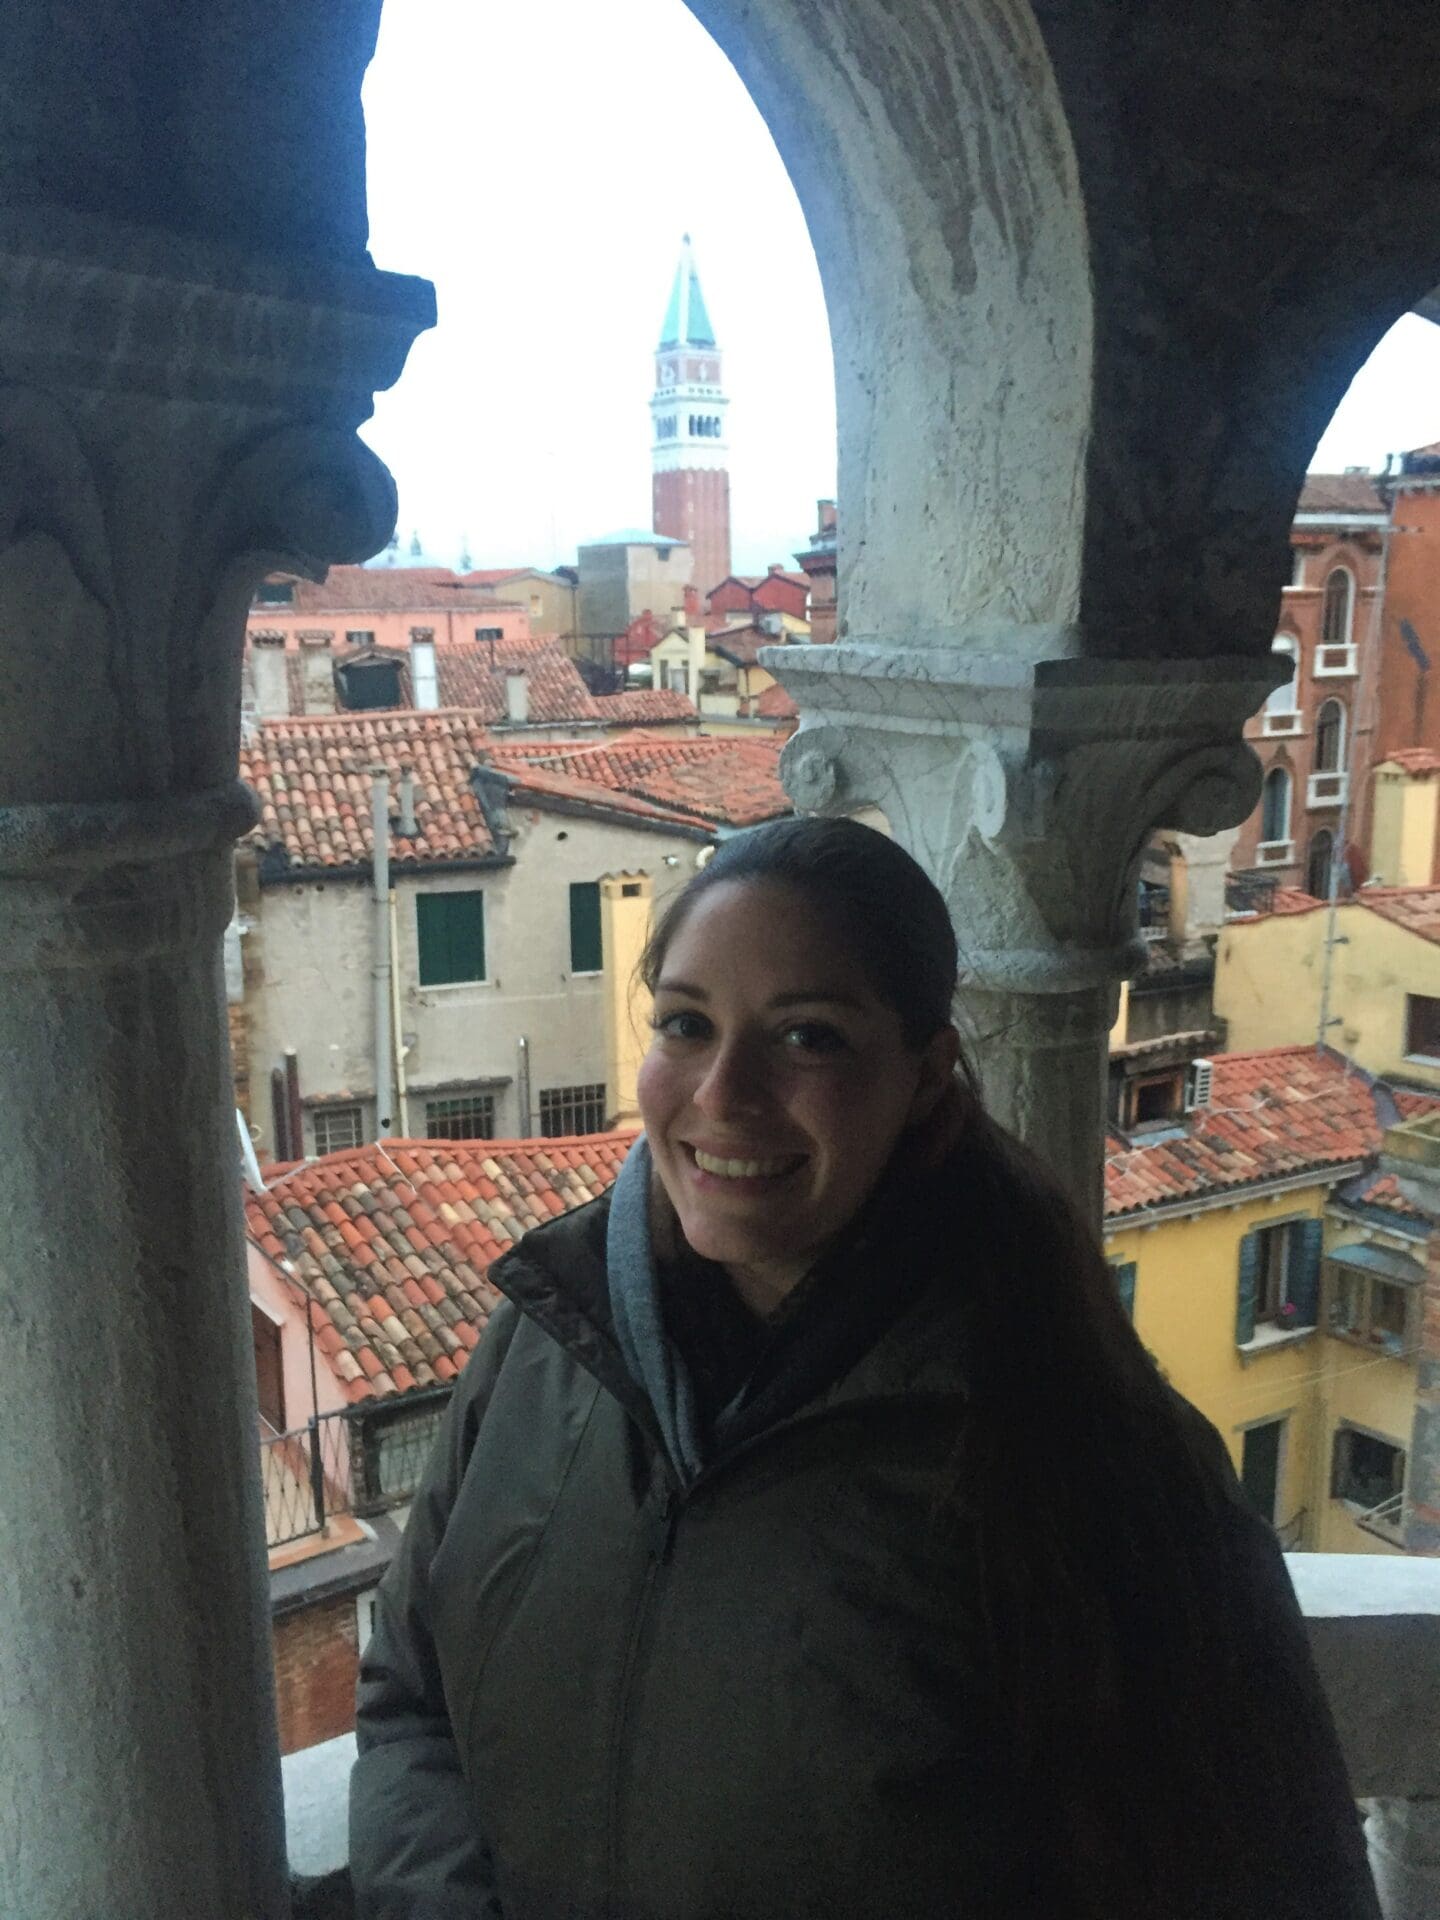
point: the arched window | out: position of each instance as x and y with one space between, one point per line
1338 611
1275 805
1330 738
1282 699
1317 864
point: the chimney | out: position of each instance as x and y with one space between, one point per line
317 675
625 904
826 511
424 684
692 605
269 674
776 566
517 697
1178 913
697 662
405 825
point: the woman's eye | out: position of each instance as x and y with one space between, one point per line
813 1036
682 1025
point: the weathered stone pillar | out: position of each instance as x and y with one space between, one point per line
173 423
1403 1837
1026 787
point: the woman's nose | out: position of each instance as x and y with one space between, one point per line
733 1082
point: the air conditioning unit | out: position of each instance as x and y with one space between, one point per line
1197 1084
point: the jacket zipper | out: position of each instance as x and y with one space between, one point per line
661 1528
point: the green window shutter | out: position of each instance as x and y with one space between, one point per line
450 929
1124 1275
1303 1277
586 948
1248 1291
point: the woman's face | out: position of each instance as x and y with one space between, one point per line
777 1084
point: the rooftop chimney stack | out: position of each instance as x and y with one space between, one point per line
317 675
406 824
424 683
268 675
517 697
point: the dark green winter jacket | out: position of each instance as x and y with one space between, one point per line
590 1697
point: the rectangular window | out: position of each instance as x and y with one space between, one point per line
1152 1099
586 950
1369 1310
269 1372
450 929
487 634
1279 1279
1422 1027
275 593
1122 1272
465 1116
1260 1466
337 1128
1366 1470
567 1110
359 637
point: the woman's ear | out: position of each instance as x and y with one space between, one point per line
941 1109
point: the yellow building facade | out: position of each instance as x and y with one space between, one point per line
1314 1420
1383 1001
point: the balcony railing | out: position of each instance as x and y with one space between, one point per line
1275 853
359 1460
1334 660
1250 893
1275 726
1326 789
1386 1521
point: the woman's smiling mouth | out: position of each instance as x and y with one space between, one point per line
772 1167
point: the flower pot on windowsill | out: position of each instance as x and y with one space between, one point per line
1287 1317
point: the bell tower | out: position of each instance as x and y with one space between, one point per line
689 459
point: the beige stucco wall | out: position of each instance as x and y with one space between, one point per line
1268 978
1402 843
618 584
312 992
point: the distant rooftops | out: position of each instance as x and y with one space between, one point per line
1341 494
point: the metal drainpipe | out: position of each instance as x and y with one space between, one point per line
522 1089
402 1092
380 865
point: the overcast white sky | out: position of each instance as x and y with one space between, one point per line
539 161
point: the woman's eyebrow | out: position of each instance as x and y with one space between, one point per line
681 986
821 996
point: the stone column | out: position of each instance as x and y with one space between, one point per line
173 424
1026 787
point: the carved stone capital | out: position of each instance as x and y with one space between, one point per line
174 423
1026 787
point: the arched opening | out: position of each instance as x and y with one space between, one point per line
1282 699
1337 616
1275 807
1318 863
1330 738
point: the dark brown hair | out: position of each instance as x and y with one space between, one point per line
1092 1496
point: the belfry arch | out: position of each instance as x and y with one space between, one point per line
1096 278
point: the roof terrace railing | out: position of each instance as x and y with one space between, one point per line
360 1460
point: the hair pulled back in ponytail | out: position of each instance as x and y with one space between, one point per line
1080 1478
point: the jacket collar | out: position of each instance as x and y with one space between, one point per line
556 1275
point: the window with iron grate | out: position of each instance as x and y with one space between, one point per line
337 1128
466 1116
567 1110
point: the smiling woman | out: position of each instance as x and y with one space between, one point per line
811 1534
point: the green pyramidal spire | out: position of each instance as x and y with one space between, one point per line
687 323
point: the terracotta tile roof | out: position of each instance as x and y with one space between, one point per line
1294 900
472 674
729 781
390 1244
741 645
1271 1114
1417 909
385 590
311 776
1412 1103
776 704
312 779
1414 760
1382 1191
1341 493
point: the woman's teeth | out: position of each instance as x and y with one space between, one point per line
744 1169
